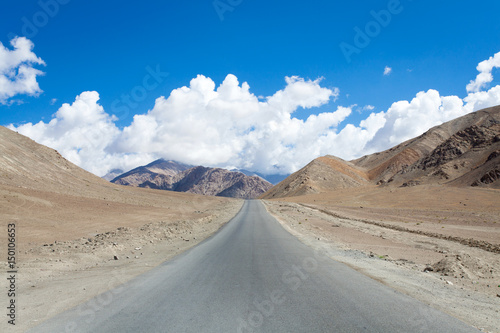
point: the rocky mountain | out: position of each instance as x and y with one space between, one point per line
174 176
157 174
461 152
112 174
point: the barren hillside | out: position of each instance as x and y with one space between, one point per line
461 152
79 235
55 199
322 174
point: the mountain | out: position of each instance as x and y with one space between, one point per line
54 201
461 152
322 174
159 174
273 179
112 174
174 176
27 164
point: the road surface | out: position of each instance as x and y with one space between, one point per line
253 276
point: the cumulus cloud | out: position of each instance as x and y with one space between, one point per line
17 74
229 126
387 70
200 124
81 132
485 76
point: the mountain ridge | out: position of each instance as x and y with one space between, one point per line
461 152
174 176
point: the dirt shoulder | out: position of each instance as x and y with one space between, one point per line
72 248
431 250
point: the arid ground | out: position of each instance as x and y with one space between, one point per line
72 248
438 244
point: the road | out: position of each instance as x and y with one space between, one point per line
253 276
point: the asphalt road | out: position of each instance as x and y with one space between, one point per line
253 276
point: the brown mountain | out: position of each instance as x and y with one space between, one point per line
174 176
27 164
160 174
461 152
52 199
323 174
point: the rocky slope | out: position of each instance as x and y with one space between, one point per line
461 152
174 176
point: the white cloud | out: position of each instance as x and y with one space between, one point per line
483 99
387 70
81 132
17 74
229 126
485 75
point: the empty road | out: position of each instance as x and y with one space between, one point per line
253 276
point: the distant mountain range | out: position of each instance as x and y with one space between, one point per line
461 152
174 176
273 179
113 174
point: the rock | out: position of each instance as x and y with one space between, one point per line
411 183
449 282
115 257
428 269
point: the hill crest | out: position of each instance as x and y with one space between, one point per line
462 152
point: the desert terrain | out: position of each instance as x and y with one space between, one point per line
77 248
437 244
422 217
78 235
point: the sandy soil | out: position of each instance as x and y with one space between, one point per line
440 245
67 243
73 248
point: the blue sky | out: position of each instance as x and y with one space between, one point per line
110 47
